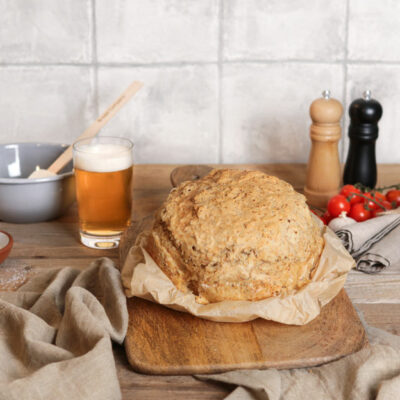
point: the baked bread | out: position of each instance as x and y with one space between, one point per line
235 235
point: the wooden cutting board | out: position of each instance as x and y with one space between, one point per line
168 342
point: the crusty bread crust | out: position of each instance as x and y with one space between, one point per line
235 235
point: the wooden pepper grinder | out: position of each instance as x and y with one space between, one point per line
363 132
323 169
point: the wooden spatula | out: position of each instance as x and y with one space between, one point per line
92 131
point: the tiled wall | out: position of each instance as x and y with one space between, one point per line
225 80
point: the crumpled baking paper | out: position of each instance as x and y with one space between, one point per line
142 277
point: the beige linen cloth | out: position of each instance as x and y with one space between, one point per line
55 335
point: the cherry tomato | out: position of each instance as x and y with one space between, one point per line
337 204
359 212
371 205
393 196
385 204
379 196
326 218
348 192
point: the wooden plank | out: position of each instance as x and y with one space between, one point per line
164 341
383 287
40 263
50 239
384 316
139 386
374 289
188 173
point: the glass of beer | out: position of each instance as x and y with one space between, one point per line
103 174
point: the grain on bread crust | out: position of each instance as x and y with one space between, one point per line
235 235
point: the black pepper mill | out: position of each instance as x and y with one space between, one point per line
363 132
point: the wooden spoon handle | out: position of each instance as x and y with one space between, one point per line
93 129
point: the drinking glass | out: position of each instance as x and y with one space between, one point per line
103 175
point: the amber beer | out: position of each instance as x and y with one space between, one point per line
103 173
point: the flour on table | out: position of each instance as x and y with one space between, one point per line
13 275
4 239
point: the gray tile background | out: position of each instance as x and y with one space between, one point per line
225 80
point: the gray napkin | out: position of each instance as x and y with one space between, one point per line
374 244
56 331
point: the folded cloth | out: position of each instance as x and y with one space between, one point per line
374 243
372 373
55 335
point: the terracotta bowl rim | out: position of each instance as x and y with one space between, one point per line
9 245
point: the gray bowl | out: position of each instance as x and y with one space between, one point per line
25 200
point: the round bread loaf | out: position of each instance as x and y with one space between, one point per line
235 235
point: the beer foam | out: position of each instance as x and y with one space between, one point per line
101 157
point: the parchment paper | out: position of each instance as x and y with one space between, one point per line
142 277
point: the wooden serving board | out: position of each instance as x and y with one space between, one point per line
168 342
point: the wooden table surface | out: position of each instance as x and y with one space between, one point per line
56 244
